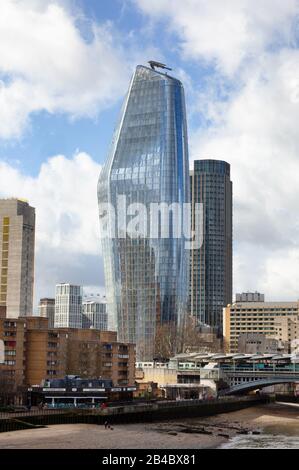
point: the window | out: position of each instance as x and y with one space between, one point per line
10 363
10 352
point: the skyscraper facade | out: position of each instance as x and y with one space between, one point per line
95 314
17 241
146 276
68 306
211 264
46 309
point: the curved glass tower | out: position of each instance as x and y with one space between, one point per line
147 274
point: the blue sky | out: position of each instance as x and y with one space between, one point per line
49 133
64 69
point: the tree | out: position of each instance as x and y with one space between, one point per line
166 341
187 337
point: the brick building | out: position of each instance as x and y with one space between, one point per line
34 352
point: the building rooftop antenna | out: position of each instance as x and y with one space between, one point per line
159 65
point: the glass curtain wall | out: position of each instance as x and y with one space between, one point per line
146 277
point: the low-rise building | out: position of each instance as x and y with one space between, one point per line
74 391
258 343
177 378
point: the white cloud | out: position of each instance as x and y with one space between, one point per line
67 226
225 32
257 132
250 107
46 64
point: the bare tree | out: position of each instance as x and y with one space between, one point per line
197 340
166 340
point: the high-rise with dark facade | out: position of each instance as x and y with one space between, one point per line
211 264
146 276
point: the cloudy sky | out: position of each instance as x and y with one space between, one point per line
64 69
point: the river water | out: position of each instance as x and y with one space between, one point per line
263 441
276 436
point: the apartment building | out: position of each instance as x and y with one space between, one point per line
34 352
268 318
94 353
13 335
17 239
46 351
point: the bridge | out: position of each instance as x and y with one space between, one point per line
244 373
233 374
257 384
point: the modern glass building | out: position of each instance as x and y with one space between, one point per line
211 264
146 276
68 306
94 314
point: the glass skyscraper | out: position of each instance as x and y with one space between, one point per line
146 277
211 264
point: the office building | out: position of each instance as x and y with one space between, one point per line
211 264
17 238
95 314
46 309
272 319
258 343
287 329
146 275
68 306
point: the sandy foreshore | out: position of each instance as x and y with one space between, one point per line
193 433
